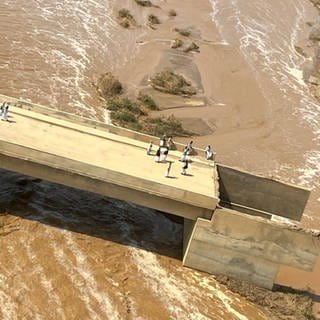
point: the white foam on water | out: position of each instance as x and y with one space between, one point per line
309 111
177 296
44 281
8 308
165 286
84 270
297 75
75 277
216 292
10 295
214 14
310 173
70 37
267 42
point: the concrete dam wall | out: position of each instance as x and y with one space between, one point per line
257 195
228 226
241 241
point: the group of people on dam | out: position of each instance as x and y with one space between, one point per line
161 153
166 144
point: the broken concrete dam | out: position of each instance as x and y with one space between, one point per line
228 225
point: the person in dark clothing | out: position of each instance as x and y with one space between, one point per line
164 155
2 108
184 167
157 157
4 111
168 170
149 148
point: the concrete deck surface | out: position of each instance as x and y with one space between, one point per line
103 149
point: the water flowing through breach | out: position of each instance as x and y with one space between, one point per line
69 254
269 35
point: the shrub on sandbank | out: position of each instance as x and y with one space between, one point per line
108 86
176 43
169 82
183 32
147 101
120 104
169 126
132 115
152 19
144 3
125 18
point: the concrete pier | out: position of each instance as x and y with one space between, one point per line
248 247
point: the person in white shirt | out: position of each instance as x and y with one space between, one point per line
208 153
5 112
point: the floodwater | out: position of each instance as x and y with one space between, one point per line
68 254
269 35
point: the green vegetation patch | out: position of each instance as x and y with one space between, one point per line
125 104
144 3
133 114
169 82
126 119
123 116
169 126
108 86
309 314
147 101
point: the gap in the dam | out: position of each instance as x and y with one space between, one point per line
87 213
259 196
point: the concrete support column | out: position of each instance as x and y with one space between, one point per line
188 226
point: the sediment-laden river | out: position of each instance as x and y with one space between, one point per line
68 254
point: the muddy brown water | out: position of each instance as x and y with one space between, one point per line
67 254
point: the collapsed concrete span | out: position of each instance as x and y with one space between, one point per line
228 227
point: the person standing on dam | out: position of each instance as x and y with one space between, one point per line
2 108
149 148
157 157
189 148
170 143
163 141
184 154
168 170
164 155
185 167
4 111
208 152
